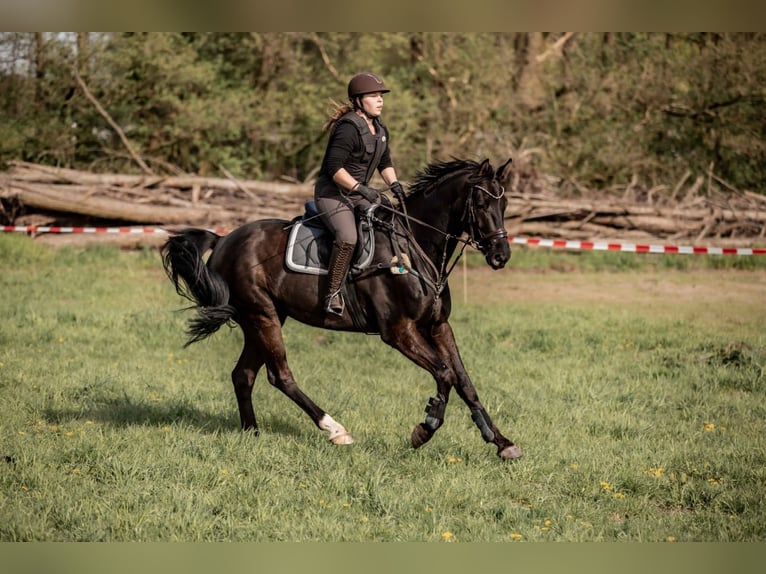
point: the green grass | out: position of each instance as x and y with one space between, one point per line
637 425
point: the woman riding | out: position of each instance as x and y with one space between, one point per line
357 146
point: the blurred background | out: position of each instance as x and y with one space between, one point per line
621 135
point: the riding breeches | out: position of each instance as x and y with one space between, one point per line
337 214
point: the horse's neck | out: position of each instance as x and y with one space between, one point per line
441 223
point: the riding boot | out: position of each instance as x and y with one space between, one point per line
340 262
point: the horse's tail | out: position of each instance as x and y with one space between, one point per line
182 259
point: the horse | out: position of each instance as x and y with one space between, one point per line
402 295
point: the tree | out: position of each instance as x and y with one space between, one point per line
600 110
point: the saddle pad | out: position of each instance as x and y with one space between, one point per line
310 244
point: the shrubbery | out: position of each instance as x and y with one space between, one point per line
594 110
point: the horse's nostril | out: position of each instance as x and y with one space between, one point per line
497 260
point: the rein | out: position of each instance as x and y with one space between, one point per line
442 273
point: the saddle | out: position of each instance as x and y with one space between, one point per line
310 242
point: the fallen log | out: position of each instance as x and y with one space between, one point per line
575 209
68 200
61 195
22 171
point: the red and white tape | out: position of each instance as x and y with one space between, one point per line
638 248
533 241
57 229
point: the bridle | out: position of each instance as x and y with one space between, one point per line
442 270
484 240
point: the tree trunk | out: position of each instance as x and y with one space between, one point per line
529 87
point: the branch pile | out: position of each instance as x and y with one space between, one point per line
706 210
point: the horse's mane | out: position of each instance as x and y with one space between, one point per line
427 178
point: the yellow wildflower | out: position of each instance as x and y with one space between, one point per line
447 536
516 536
709 427
671 539
656 472
606 486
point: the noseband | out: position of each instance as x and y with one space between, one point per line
484 241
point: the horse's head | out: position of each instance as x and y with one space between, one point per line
485 214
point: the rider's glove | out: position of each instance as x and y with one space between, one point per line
398 190
370 194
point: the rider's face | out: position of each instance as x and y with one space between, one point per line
373 103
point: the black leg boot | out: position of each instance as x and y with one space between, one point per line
340 262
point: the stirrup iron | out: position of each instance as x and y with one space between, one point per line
335 304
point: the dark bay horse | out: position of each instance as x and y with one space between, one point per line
247 281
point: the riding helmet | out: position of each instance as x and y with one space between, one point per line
365 83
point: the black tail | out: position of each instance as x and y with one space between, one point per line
182 259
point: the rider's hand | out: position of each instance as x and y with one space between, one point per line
370 194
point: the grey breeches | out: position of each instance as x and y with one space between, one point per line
337 214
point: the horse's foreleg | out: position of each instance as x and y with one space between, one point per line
412 344
444 339
281 377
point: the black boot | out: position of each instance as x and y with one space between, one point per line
340 262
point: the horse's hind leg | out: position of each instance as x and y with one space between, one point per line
243 377
338 433
280 376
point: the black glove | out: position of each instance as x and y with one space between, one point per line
370 194
398 190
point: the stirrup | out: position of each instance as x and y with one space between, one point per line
335 304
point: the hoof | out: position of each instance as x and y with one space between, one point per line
420 436
342 439
510 453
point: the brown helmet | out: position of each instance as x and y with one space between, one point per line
365 83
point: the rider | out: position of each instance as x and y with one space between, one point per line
357 146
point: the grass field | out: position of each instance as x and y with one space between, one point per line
634 384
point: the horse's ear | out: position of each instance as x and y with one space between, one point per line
485 167
501 169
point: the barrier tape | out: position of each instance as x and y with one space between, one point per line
59 229
537 242
637 248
